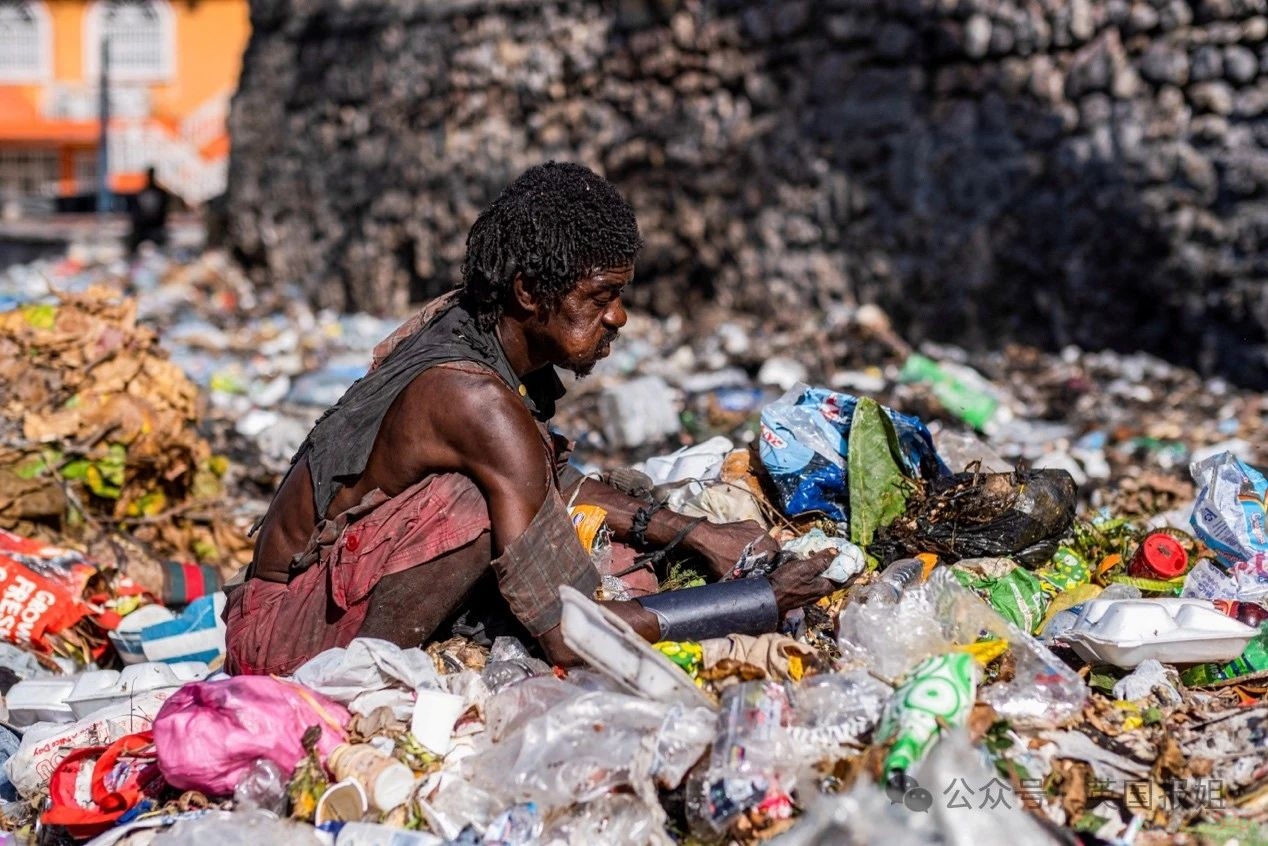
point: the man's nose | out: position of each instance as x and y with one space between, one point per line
615 315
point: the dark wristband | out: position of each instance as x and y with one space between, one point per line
642 519
744 606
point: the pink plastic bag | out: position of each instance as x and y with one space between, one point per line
209 733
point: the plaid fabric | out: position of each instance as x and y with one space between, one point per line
531 568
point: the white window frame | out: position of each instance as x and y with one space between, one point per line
167 49
44 39
16 160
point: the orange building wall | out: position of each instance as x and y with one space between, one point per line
210 35
67 17
210 38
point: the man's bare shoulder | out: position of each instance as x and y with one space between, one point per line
468 405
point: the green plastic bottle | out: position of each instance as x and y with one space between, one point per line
967 402
1254 659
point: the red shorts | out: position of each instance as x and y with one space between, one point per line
273 628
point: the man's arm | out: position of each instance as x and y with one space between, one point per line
489 435
720 545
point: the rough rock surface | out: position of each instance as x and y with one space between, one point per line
1052 171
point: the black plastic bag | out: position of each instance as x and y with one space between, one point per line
1020 515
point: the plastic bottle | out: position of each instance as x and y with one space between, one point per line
749 763
1254 659
264 786
894 579
961 391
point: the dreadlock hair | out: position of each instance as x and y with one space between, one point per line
555 224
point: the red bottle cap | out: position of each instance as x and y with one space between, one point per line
1159 557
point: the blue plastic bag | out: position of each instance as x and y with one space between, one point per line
804 438
1230 514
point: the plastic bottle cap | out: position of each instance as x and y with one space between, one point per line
1160 556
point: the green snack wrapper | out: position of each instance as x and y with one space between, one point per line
1066 570
939 691
687 654
1017 595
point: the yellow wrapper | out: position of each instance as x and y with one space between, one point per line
589 521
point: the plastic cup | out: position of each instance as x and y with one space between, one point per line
344 801
387 781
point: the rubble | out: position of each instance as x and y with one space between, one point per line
1069 678
1099 165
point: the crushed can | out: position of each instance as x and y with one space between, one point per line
1250 613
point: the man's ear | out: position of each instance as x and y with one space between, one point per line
524 299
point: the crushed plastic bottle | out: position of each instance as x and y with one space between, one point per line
584 746
618 818
263 787
509 662
890 638
751 766
893 581
831 709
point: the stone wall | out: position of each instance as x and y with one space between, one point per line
1089 172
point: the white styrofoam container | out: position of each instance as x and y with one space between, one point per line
39 701
609 645
95 690
1124 632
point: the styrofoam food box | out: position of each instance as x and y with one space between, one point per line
95 690
1125 632
39 701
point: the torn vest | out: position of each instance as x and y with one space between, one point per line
339 444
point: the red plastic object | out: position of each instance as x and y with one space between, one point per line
118 777
1160 556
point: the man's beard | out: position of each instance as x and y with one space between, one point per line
583 368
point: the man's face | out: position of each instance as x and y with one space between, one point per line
580 331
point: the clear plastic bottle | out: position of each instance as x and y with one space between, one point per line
893 580
264 787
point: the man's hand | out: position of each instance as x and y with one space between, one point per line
722 544
798 582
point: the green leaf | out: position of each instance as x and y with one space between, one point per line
1151 716
1089 823
76 468
30 467
878 489
1102 680
99 484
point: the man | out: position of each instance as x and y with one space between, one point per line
149 214
429 499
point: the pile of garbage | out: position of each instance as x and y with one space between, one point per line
1051 627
